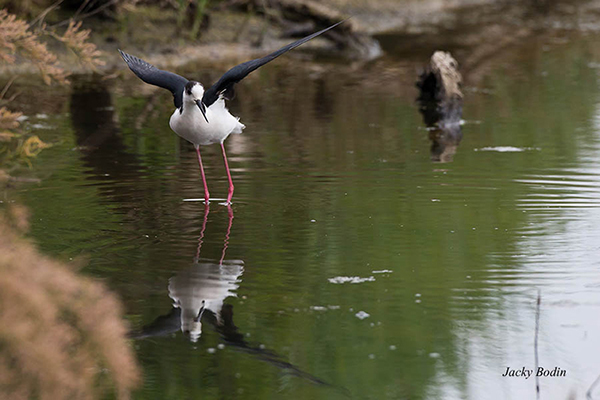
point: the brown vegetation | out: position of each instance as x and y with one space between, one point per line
20 40
61 335
76 40
15 148
15 37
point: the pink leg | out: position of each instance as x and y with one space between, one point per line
201 238
206 194
226 243
230 193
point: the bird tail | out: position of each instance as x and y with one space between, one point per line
239 127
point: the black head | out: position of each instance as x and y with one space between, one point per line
189 86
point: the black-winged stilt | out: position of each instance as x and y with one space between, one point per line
201 116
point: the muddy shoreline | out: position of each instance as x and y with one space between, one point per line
479 34
232 36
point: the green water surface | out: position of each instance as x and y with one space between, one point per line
334 179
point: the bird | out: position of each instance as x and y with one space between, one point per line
201 116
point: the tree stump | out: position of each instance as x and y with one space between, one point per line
440 103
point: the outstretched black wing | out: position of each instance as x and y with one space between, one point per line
234 75
154 76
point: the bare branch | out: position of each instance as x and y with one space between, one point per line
6 87
88 14
40 18
81 8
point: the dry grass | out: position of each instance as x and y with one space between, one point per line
20 40
16 38
76 39
9 119
61 334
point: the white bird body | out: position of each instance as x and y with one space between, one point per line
205 286
201 116
189 123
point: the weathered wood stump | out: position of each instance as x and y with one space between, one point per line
440 103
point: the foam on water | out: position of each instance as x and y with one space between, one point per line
351 279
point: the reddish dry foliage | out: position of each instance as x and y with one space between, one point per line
76 39
8 119
61 335
16 37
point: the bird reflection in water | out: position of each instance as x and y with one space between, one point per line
199 293
440 103
202 288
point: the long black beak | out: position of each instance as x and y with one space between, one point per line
202 108
199 317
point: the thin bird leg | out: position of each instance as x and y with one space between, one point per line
230 193
226 242
201 238
206 194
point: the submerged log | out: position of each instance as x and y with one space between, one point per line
440 102
303 17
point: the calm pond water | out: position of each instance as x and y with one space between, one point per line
334 179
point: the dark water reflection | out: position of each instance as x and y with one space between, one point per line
334 180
